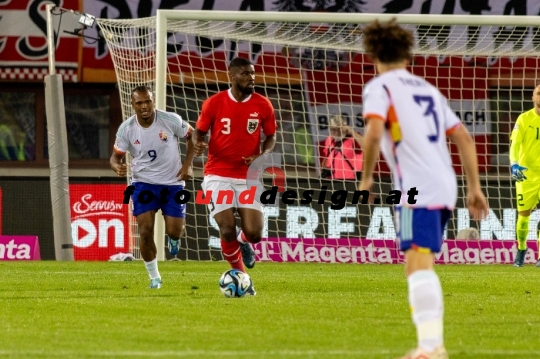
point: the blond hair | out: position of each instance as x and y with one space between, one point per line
337 120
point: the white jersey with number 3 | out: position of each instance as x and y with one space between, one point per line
418 120
156 157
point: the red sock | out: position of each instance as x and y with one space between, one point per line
231 253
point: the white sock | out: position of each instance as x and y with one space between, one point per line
426 300
239 237
152 269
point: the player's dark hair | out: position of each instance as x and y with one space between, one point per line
387 42
238 62
141 88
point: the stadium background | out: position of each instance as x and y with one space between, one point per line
93 109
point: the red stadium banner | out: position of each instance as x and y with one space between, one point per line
23 41
99 221
23 50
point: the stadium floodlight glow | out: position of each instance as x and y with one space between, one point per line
87 20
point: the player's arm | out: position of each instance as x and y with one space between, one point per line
267 147
117 165
269 144
186 172
516 140
476 202
372 139
199 145
358 138
269 130
203 125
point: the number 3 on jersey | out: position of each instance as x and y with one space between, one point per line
226 126
430 111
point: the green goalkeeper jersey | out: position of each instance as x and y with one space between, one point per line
525 147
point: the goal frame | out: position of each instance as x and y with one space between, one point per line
163 16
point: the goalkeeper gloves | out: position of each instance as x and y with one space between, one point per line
517 172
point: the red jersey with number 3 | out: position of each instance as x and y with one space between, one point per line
235 131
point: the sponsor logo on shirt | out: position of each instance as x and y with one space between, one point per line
163 136
254 114
252 125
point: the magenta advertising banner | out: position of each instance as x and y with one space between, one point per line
385 251
16 248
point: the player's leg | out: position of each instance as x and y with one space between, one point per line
522 231
145 222
252 222
174 213
145 204
175 228
223 212
538 234
420 235
230 247
526 198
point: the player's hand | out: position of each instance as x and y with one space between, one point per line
248 160
517 172
121 169
477 204
347 130
199 147
185 173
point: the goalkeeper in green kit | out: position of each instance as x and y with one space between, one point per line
525 168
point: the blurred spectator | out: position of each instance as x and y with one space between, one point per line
342 154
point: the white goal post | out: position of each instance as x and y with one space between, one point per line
312 66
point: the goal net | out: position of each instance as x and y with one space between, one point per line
312 67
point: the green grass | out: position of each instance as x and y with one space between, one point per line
104 310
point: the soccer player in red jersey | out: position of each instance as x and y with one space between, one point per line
236 119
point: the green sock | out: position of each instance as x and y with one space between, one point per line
522 230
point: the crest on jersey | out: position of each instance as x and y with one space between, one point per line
163 136
252 125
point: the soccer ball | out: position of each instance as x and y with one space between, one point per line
235 283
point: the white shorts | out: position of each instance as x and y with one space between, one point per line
225 194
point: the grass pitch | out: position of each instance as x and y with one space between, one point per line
104 310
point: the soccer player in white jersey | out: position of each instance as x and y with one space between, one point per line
158 175
409 120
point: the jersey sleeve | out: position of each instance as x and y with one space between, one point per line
376 101
451 121
269 123
121 144
516 138
182 129
204 122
